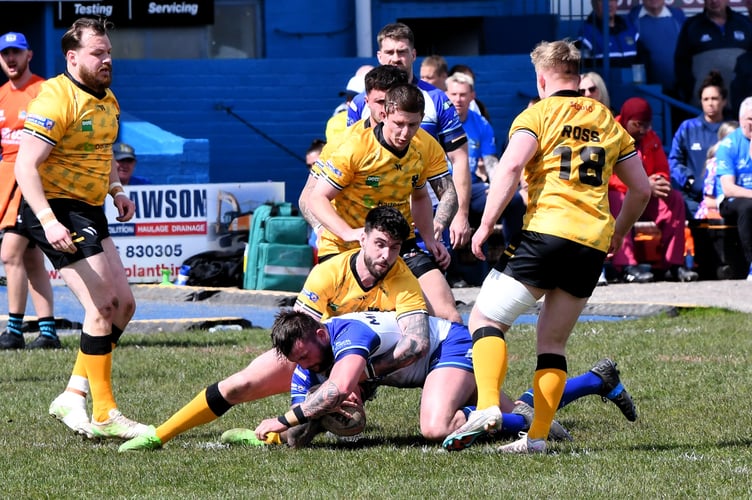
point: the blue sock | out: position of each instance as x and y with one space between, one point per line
582 385
512 423
527 397
467 409
15 324
47 327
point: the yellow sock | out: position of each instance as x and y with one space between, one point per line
548 387
99 372
490 366
78 367
195 413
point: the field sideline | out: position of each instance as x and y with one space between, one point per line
689 375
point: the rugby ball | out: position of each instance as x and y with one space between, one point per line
343 425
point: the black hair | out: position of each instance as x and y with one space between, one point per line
385 77
714 79
388 220
289 327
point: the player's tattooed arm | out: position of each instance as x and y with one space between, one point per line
326 399
305 210
447 207
412 346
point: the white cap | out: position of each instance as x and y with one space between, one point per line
356 85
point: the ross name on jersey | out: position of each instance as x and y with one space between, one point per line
580 133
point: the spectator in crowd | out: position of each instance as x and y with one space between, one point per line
338 121
593 86
658 26
734 168
621 44
354 87
125 157
665 208
711 190
482 156
741 85
710 40
476 105
435 71
23 262
692 140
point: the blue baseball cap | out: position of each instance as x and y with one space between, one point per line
13 39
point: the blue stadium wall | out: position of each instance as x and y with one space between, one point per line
284 103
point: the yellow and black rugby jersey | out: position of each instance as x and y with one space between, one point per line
81 127
579 142
333 288
368 174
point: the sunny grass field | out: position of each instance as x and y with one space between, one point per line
689 375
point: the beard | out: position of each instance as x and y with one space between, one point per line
376 272
96 80
19 71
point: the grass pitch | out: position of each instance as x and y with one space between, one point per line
689 375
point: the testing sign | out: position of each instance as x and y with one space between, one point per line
175 222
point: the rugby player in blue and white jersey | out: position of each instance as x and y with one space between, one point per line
337 354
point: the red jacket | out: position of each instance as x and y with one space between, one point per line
653 159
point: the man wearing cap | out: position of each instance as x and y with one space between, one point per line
338 122
23 261
125 156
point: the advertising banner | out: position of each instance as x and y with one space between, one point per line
175 222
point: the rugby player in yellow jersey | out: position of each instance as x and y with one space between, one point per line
65 170
568 146
364 168
372 277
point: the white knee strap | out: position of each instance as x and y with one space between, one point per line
503 299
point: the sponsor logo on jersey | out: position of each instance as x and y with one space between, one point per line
312 296
40 121
397 166
333 169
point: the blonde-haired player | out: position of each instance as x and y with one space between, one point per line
568 146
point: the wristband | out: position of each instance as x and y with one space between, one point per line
46 217
299 415
116 188
121 193
49 224
282 420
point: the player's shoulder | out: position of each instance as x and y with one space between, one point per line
434 93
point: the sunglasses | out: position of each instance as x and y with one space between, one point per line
589 90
